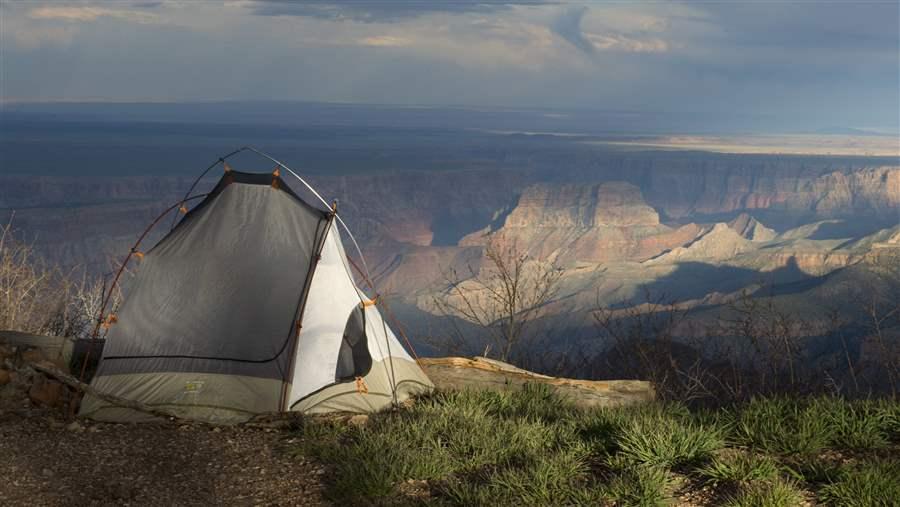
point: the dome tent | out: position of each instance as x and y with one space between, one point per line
249 306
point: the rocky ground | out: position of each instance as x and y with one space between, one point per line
47 458
47 461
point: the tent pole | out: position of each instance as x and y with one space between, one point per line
297 323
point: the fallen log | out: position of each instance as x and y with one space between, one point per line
487 374
264 420
78 385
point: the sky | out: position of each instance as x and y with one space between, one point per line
837 63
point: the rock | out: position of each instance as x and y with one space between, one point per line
75 426
5 377
751 229
47 472
7 352
491 375
58 364
616 204
46 392
585 223
33 356
358 420
719 243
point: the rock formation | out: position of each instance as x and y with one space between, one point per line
585 223
750 228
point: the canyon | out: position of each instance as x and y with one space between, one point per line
697 227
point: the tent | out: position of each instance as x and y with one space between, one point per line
249 306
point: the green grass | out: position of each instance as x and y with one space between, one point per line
867 484
740 467
774 493
812 469
786 426
783 426
859 425
659 439
534 448
639 487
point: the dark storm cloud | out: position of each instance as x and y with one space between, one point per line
807 25
568 26
829 62
382 11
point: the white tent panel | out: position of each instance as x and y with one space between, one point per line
332 296
388 344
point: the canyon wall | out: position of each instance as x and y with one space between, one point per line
83 220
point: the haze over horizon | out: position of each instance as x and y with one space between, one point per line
816 64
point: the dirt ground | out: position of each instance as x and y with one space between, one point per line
45 460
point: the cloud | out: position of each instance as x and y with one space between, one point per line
40 36
380 11
569 26
845 26
385 41
617 42
837 58
89 13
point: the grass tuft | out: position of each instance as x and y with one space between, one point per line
662 442
867 484
662 435
812 469
775 493
739 467
642 486
855 425
783 426
532 447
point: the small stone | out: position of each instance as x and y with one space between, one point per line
47 472
45 392
217 430
75 426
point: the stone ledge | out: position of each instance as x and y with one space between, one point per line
489 374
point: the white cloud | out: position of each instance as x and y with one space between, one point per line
90 13
617 42
40 36
385 41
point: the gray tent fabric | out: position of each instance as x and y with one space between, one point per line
220 293
209 327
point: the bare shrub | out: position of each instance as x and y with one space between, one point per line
881 306
26 296
643 345
503 297
768 344
36 298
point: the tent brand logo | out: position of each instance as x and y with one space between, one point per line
193 387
